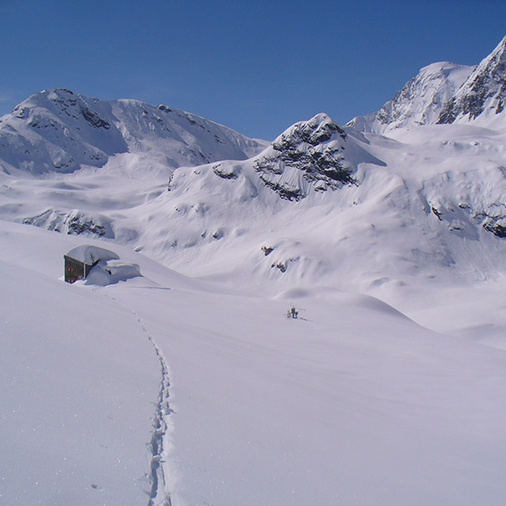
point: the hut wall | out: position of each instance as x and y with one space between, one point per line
75 270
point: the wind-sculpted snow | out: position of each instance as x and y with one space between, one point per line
385 224
468 201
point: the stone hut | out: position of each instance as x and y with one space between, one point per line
79 261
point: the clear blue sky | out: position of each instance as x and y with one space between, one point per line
257 66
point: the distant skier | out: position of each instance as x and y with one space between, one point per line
293 313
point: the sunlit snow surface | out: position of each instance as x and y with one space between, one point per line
351 404
146 385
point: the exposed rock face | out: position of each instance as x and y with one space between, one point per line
308 152
484 90
74 222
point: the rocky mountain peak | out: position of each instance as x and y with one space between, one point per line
59 130
64 104
443 93
419 102
308 152
320 128
483 92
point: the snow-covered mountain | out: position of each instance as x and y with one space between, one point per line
153 388
483 95
420 101
444 93
61 131
290 212
310 157
429 192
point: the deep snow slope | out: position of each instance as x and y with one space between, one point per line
353 403
61 131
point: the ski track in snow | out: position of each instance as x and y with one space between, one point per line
159 496
159 444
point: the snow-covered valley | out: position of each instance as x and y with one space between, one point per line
352 403
172 376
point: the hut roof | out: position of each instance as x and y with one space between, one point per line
91 254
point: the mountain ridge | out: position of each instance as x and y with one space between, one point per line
483 93
419 102
445 93
352 207
62 131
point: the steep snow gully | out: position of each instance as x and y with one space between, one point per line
159 494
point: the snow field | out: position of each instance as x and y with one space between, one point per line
78 381
352 404
355 404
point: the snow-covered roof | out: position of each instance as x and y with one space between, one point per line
91 254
